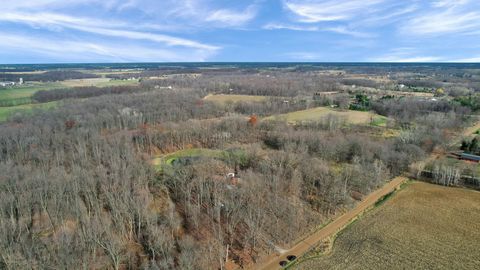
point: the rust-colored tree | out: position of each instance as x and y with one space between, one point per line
253 120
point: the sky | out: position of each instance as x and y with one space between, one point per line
62 31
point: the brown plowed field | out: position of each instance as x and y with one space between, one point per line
424 226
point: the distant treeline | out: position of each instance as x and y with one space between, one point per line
84 92
168 71
49 76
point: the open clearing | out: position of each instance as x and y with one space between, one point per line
320 113
186 153
21 94
234 98
98 82
5 112
424 226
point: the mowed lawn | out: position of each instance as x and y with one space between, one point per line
423 226
223 99
320 113
5 112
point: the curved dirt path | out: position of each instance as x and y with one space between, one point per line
273 261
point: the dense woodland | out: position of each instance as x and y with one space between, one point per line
78 191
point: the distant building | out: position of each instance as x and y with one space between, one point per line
7 84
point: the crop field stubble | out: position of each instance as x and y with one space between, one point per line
424 226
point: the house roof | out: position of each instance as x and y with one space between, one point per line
470 156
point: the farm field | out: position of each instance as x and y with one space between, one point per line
21 95
223 99
319 113
423 226
98 82
5 112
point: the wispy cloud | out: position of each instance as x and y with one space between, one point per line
475 59
88 51
337 29
330 10
446 17
281 26
50 20
405 55
231 17
197 30
345 31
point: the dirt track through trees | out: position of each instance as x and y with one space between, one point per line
273 261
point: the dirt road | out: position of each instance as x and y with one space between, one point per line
273 261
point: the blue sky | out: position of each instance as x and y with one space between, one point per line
53 31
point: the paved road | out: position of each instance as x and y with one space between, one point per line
273 261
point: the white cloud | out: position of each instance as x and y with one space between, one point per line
54 19
445 17
280 26
405 55
337 29
311 11
51 20
232 18
449 3
93 51
52 4
345 31
467 60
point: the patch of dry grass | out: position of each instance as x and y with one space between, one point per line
234 98
99 82
319 114
424 226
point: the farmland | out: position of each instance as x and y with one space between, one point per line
19 98
5 112
320 113
98 82
422 227
223 166
22 94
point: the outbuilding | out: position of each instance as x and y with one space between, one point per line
470 157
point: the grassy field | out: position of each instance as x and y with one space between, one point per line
319 113
423 226
234 98
21 95
19 98
99 82
7 111
194 152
